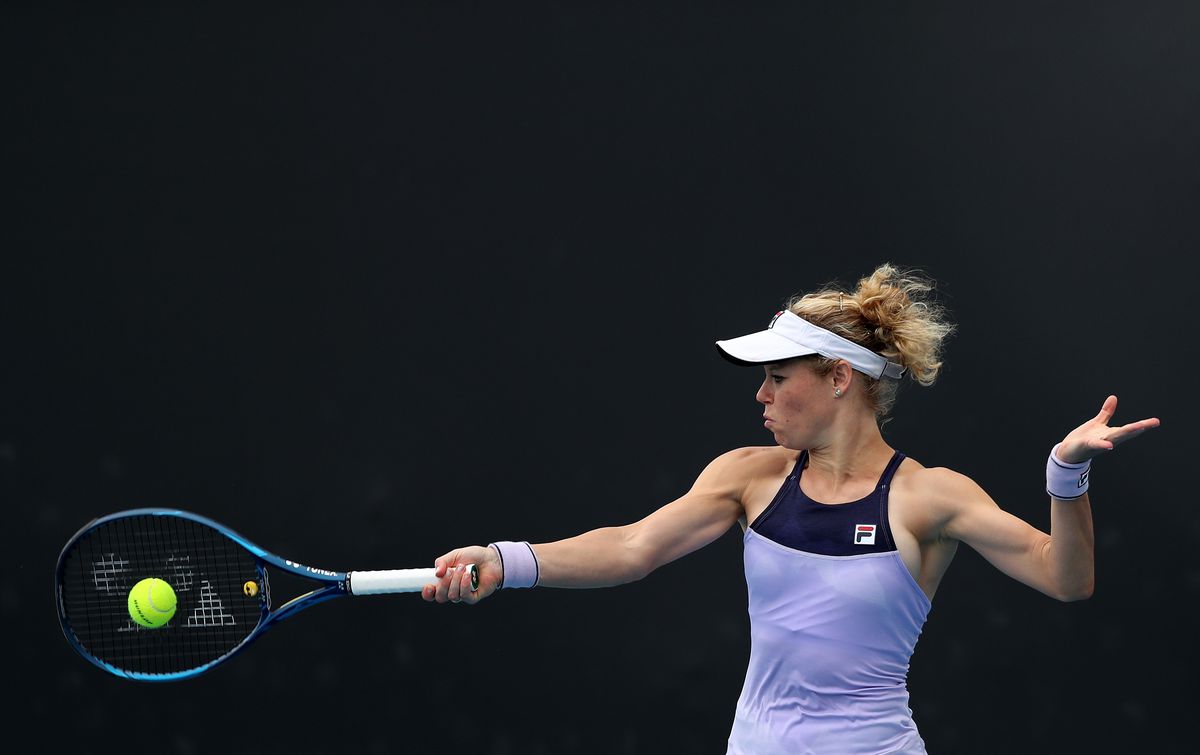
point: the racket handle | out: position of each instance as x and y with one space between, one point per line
398 580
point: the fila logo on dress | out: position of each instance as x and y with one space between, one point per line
864 534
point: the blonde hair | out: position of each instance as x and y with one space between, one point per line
892 313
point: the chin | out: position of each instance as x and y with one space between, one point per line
793 443
783 441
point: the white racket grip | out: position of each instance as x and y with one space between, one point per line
395 580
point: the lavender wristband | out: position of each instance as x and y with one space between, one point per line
518 563
1064 481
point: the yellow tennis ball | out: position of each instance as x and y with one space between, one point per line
152 603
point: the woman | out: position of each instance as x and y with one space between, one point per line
846 539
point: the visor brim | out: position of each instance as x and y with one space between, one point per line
764 347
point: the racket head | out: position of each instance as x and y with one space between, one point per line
210 568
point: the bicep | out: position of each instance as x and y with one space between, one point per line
682 526
692 521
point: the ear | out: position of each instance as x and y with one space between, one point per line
841 377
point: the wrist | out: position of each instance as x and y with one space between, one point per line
518 564
1066 481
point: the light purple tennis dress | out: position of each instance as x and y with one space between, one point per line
834 619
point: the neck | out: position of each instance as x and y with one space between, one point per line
853 450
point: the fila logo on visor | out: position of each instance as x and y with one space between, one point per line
864 534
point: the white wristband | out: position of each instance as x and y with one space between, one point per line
1064 481
518 564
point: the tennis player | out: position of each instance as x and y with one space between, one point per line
845 538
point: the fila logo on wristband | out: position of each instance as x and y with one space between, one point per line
864 534
1066 481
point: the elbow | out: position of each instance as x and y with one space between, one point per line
641 565
637 561
641 572
634 569
1077 593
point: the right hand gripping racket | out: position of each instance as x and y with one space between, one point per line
221 583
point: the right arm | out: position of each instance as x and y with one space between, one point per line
616 555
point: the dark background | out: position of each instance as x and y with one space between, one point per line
369 281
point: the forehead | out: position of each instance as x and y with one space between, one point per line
787 364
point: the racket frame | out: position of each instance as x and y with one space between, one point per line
334 584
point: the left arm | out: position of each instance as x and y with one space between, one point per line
1059 564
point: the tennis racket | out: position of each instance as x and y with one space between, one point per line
221 583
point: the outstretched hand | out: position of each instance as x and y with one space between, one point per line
454 582
1095 436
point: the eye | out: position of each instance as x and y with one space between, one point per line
777 379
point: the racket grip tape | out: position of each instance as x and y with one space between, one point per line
398 580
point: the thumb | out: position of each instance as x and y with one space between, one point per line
1107 410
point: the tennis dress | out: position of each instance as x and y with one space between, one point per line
834 619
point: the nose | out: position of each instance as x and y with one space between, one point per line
764 392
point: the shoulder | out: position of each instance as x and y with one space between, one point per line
756 459
746 465
934 483
940 492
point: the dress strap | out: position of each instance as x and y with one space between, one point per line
890 470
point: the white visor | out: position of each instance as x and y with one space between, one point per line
789 336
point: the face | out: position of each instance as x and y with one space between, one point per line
797 403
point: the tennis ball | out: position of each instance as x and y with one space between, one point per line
152 603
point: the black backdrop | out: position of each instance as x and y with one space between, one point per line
369 281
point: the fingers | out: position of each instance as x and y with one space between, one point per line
453 586
465 593
454 580
442 563
1107 410
1132 430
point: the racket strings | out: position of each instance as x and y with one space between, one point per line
205 568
